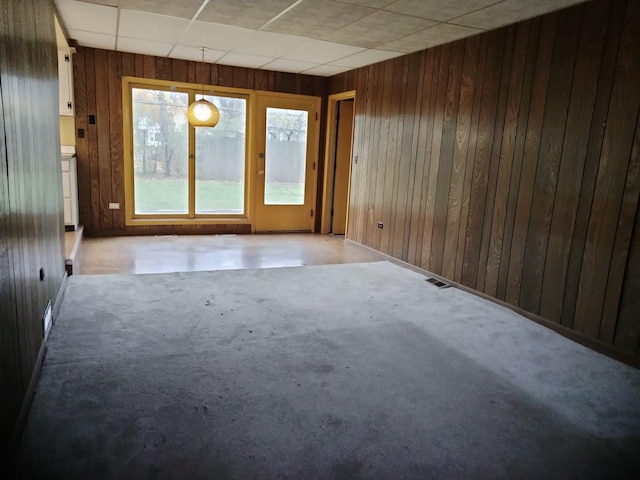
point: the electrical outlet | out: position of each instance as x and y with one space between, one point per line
380 225
114 206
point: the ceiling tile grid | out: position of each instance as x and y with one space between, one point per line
316 37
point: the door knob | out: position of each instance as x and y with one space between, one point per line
260 172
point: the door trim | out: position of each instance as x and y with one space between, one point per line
329 152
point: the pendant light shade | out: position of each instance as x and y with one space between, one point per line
203 113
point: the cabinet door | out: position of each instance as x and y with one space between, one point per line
65 77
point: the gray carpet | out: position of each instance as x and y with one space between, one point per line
338 371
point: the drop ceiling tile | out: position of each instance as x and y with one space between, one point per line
326 70
365 58
511 11
94 40
149 26
318 18
211 35
181 9
320 51
243 13
111 3
244 60
147 47
194 53
291 66
269 44
369 3
379 28
437 9
88 17
438 35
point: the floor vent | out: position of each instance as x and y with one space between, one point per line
438 283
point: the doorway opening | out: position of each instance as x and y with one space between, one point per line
340 125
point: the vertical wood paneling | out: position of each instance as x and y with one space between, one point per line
478 81
420 140
482 152
508 162
551 141
627 336
102 113
461 149
574 151
518 159
434 163
498 133
447 147
98 74
31 221
530 158
614 165
82 144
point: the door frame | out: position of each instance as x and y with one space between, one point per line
329 154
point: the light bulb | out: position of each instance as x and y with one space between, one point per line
202 112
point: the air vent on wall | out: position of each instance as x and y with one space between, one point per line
438 283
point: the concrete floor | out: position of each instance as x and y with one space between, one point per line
191 253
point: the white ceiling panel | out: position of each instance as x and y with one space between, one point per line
269 44
510 11
291 66
147 47
318 18
94 40
211 35
437 9
111 3
88 17
370 3
326 70
318 37
438 35
174 8
378 28
244 60
322 52
149 26
366 57
243 13
194 53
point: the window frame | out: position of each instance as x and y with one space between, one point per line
191 217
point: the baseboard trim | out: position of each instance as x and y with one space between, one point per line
607 350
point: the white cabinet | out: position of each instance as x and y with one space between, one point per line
69 187
65 76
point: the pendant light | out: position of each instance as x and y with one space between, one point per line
203 113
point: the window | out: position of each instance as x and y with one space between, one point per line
180 173
286 149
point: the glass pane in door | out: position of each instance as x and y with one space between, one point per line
220 159
160 151
286 155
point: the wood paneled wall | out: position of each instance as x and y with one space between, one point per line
509 162
31 212
98 91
